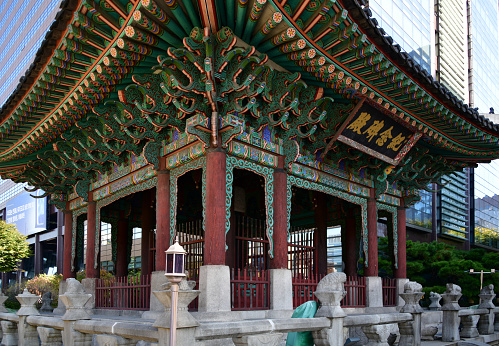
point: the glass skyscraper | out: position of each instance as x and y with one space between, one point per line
409 23
485 94
23 24
485 50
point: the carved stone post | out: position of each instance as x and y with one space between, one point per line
50 336
486 322
186 323
27 333
9 331
450 325
330 292
114 340
435 301
2 302
74 299
410 331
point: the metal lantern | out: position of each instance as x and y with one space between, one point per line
175 261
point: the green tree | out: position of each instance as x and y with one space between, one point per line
13 247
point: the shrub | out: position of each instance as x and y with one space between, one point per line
11 293
44 283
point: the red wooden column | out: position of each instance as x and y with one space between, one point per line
372 235
162 218
214 243
350 244
320 234
91 271
122 245
68 240
280 260
147 222
401 271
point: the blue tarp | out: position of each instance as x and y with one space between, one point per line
306 310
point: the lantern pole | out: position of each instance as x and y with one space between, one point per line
173 315
481 272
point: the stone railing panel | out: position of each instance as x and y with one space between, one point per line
114 340
49 336
129 330
271 339
9 331
75 338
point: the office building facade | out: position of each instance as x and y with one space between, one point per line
463 39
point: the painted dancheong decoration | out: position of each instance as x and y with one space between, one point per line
211 102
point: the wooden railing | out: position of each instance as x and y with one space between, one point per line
303 288
389 292
355 286
123 293
250 289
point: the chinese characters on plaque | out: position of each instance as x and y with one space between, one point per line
376 134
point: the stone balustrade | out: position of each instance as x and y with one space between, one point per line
78 327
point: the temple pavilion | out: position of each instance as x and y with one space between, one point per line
247 129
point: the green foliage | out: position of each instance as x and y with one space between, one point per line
487 236
43 283
13 247
434 265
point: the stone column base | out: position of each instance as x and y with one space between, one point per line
158 279
374 292
89 287
214 284
281 292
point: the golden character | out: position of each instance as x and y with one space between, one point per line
383 137
374 129
396 142
359 123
